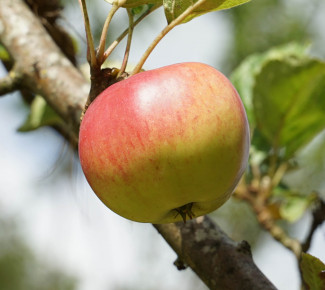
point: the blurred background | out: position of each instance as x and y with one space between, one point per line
56 234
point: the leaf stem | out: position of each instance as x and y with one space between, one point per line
102 42
125 32
161 35
128 44
279 173
90 40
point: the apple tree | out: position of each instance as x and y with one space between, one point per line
283 92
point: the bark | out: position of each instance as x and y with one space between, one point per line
219 261
45 69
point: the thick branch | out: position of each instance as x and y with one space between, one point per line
46 71
219 262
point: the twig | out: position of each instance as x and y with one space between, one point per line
10 83
318 219
257 195
266 220
161 35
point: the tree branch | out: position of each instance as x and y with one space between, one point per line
220 262
44 68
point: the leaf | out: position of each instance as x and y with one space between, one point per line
137 10
174 8
308 172
289 102
4 55
41 114
294 205
244 76
313 271
136 3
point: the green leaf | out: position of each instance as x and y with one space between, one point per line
289 102
137 10
174 8
313 271
244 76
4 55
136 3
309 165
41 114
294 205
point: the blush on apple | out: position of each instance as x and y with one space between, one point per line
165 144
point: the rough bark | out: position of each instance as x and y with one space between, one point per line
46 71
220 262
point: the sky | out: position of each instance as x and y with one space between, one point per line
66 224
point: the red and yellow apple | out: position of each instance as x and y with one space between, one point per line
165 144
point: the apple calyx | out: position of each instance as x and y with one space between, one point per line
185 211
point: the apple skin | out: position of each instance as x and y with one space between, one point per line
165 138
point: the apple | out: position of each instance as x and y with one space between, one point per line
165 145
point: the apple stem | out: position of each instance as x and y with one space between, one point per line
161 35
90 40
110 49
128 45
